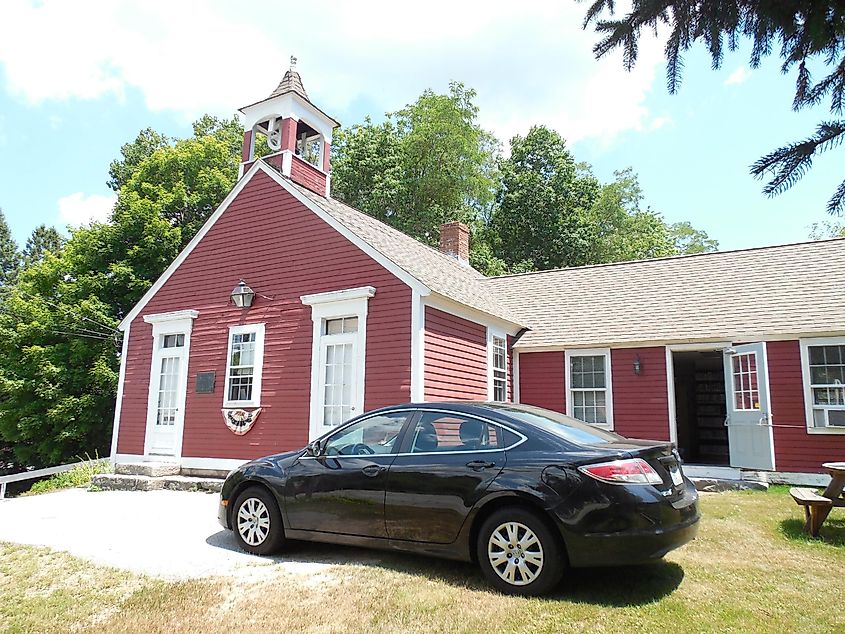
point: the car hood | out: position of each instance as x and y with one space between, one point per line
280 460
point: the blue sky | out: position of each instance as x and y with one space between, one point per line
79 79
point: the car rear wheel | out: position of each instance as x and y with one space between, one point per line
257 522
519 553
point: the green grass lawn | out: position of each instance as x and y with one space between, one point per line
750 570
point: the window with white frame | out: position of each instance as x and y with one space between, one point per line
588 381
499 367
824 373
244 366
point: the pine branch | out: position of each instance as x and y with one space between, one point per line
789 163
836 204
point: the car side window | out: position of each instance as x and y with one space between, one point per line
439 432
374 435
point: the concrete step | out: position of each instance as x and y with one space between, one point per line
151 469
126 482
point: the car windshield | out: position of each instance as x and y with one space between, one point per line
561 425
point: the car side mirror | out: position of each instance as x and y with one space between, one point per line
313 449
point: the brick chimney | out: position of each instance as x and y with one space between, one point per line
454 241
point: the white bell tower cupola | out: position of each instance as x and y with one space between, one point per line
290 133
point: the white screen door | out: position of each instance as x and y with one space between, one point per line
168 384
340 386
749 419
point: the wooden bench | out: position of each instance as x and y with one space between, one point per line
816 508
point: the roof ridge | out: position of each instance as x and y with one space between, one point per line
666 257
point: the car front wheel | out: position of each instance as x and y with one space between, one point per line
257 522
518 552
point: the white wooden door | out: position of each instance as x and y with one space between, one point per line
168 384
340 386
749 419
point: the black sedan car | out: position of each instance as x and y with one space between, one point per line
525 492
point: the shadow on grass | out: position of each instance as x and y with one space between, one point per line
832 531
615 587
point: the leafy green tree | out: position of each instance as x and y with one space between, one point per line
43 240
59 348
133 154
826 230
620 229
426 164
448 162
229 131
811 35
9 256
185 183
367 168
544 201
688 239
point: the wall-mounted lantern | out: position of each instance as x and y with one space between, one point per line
638 365
242 295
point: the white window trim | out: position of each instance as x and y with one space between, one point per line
351 302
805 378
258 365
590 352
500 334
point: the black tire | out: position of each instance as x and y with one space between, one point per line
531 578
262 532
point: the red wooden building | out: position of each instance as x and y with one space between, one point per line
738 357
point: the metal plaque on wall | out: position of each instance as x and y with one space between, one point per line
205 382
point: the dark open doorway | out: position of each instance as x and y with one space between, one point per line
700 407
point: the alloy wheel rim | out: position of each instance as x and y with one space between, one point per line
253 521
515 553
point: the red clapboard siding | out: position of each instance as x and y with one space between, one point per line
795 448
283 251
541 380
640 402
307 175
455 357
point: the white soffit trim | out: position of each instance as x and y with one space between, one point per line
257 166
118 406
417 348
463 311
354 238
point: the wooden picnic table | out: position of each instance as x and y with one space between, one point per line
818 506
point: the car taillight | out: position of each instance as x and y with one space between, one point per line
631 471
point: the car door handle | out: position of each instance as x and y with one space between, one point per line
478 465
372 470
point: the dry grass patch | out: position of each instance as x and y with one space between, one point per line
748 572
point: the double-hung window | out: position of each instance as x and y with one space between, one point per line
497 367
245 358
824 382
589 387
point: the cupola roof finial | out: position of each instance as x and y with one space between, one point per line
291 82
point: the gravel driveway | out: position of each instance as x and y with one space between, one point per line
170 534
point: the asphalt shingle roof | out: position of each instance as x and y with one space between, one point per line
787 290
441 273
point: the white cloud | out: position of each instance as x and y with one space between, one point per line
739 76
659 122
78 209
531 65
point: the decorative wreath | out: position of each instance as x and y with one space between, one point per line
240 421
